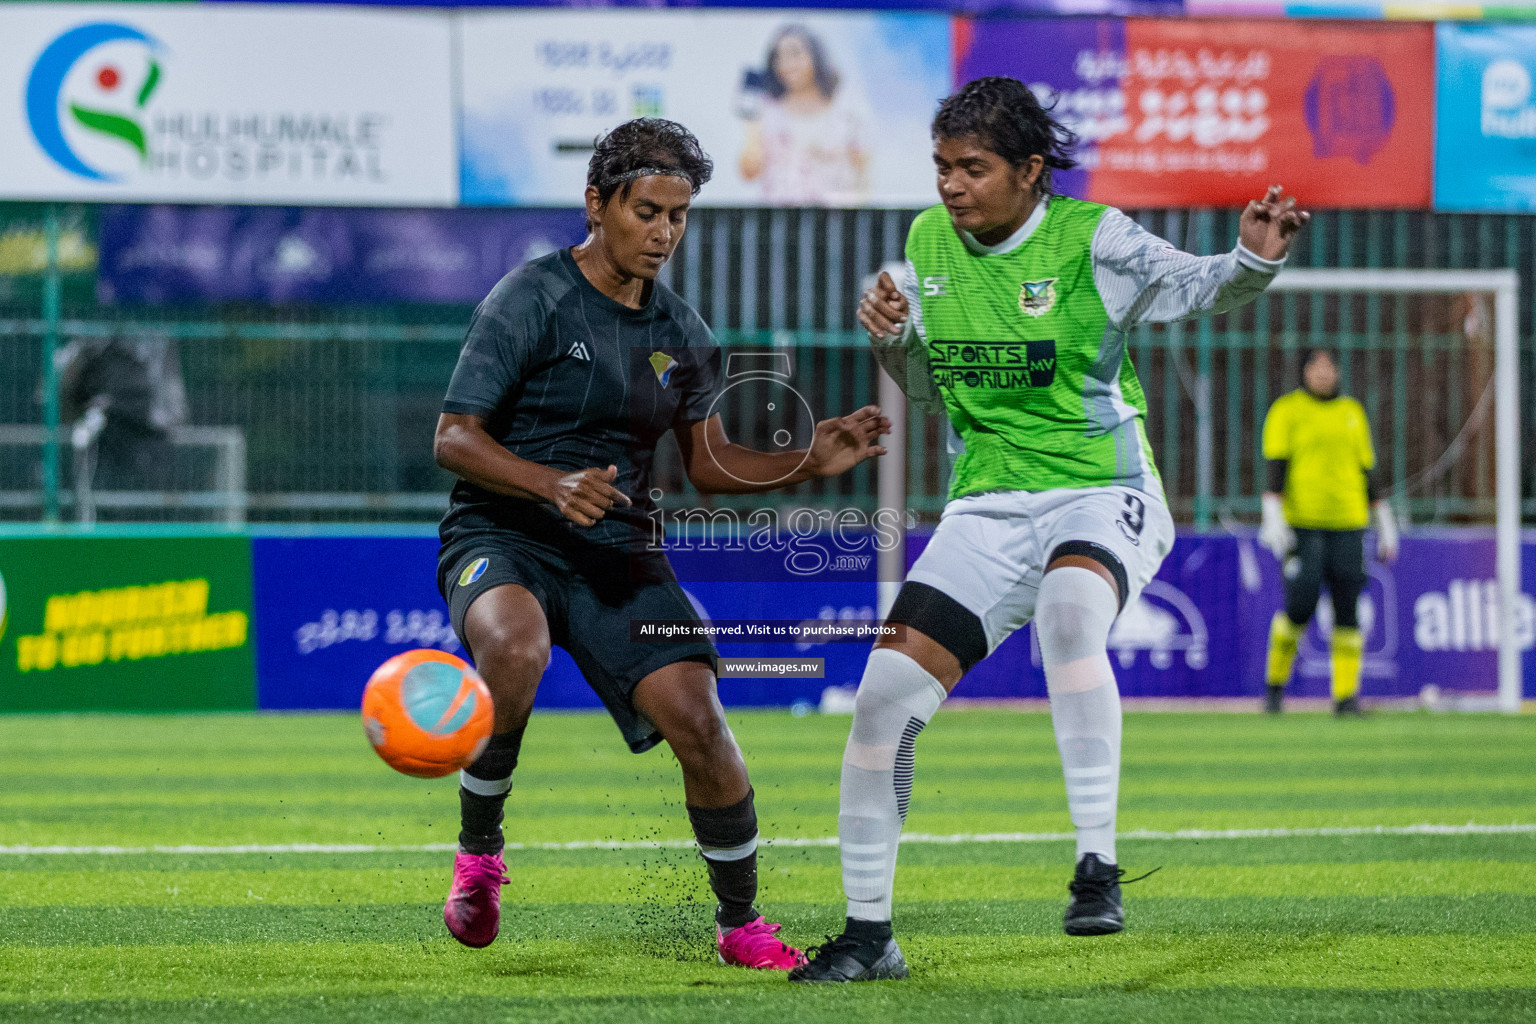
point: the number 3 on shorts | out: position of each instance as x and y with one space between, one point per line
1132 518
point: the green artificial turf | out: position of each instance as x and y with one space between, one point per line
1358 927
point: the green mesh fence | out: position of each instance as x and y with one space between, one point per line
334 407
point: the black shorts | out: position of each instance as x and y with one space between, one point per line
589 595
1335 558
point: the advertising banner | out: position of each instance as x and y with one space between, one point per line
795 108
1485 149
1395 10
1431 619
1201 627
288 254
329 610
1208 113
1183 637
126 624
24 252
207 103
1165 8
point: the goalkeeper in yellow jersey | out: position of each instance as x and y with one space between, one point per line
1317 445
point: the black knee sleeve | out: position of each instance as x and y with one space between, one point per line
941 619
1101 554
480 814
734 881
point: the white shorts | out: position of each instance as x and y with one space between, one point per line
990 551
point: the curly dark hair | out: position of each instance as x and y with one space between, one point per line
642 144
1009 120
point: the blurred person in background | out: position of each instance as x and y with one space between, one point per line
1012 319
123 395
574 367
805 137
1321 490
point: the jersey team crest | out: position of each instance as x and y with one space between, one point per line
663 364
1037 298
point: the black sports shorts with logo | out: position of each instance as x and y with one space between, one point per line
589 594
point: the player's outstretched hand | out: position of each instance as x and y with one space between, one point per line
845 441
586 495
883 309
1268 225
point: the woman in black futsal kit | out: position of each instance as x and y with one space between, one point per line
574 367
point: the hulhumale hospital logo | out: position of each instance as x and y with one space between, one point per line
107 99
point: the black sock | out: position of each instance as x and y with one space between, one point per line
480 814
868 931
734 881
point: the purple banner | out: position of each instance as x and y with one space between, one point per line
328 610
1431 619
1201 628
1078 61
155 254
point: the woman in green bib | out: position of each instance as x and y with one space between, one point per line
1012 319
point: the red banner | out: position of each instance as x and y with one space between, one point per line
1340 114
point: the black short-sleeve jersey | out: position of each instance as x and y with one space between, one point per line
569 378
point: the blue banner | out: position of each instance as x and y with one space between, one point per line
1485 141
288 254
328 610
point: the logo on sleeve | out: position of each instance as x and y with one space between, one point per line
1037 298
473 571
663 364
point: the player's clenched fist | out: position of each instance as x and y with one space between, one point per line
586 495
883 309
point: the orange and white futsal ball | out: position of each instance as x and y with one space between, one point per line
427 713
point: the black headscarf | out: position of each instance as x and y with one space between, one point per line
1306 357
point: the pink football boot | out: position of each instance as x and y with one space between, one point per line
756 944
473 910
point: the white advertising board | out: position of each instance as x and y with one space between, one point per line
796 108
205 103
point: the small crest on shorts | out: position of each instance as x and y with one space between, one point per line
473 571
1037 298
663 364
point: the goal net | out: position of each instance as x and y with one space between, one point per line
1435 359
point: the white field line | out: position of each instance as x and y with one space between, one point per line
1468 829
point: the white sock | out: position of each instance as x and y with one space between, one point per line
1073 614
896 699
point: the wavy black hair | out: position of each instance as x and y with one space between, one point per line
645 144
826 75
1009 120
